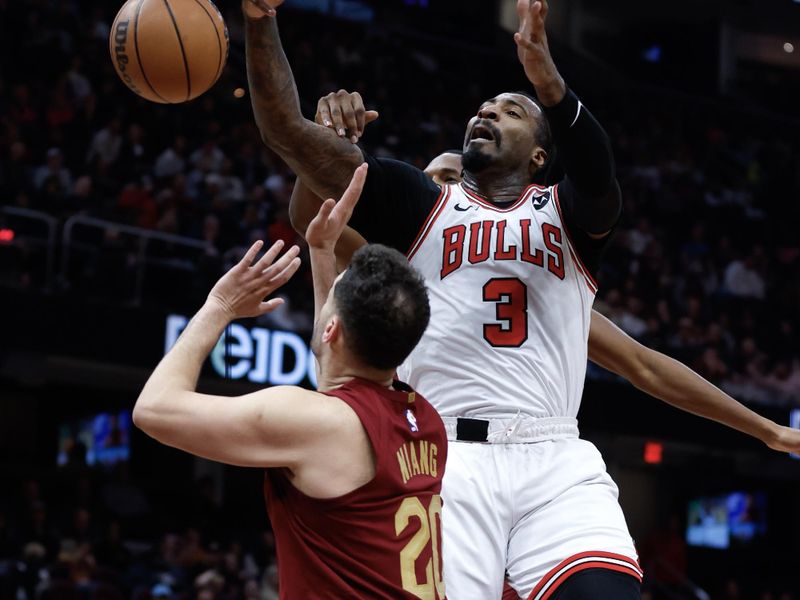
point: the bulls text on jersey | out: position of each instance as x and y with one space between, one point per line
484 240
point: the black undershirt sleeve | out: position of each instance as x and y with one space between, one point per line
395 203
590 196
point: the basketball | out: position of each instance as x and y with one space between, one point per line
169 51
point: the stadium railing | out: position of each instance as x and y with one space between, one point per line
31 229
124 250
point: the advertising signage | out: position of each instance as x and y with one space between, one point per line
256 354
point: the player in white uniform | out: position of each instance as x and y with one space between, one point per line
543 493
649 370
510 270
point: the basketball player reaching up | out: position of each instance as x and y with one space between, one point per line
649 370
354 470
510 271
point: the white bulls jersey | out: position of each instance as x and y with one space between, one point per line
510 308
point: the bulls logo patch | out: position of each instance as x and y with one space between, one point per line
540 199
412 421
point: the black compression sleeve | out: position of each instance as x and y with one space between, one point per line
590 195
396 200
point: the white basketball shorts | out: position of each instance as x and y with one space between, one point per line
533 503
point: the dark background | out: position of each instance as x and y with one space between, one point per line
700 101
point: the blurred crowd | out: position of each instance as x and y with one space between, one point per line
705 265
91 535
80 534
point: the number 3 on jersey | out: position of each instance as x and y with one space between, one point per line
511 296
428 535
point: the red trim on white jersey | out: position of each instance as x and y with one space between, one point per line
486 204
580 562
437 209
577 262
575 256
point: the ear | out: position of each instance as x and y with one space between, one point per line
332 331
538 159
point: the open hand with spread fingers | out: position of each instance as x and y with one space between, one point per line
258 9
326 228
242 290
344 112
534 52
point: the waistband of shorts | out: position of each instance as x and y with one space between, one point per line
515 430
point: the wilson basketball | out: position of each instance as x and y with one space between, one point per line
169 51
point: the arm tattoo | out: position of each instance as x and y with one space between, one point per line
324 161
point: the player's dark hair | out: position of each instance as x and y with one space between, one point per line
544 137
383 305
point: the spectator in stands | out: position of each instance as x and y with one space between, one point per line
172 161
53 172
742 280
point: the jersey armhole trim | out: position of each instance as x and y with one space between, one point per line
437 209
580 562
575 256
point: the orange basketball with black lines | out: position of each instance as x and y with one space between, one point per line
169 51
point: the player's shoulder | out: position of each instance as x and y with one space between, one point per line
543 196
314 406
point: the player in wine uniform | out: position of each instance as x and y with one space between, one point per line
353 471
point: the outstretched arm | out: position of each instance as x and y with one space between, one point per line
304 203
396 199
268 428
343 112
590 196
676 384
317 154
323 233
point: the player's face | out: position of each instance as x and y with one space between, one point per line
503 134
445 168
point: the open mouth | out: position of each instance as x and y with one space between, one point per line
481 132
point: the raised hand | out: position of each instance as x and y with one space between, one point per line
241 291
324 231
344 112
534 52
258 9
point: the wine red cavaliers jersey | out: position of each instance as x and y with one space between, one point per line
382 540
510 308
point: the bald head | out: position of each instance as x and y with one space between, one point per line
445 168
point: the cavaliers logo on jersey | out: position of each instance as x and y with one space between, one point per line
540 198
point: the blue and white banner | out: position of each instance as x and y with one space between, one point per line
257 354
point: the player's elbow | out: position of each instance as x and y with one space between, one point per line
607 209
142 416
284 135
140 419
145 414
